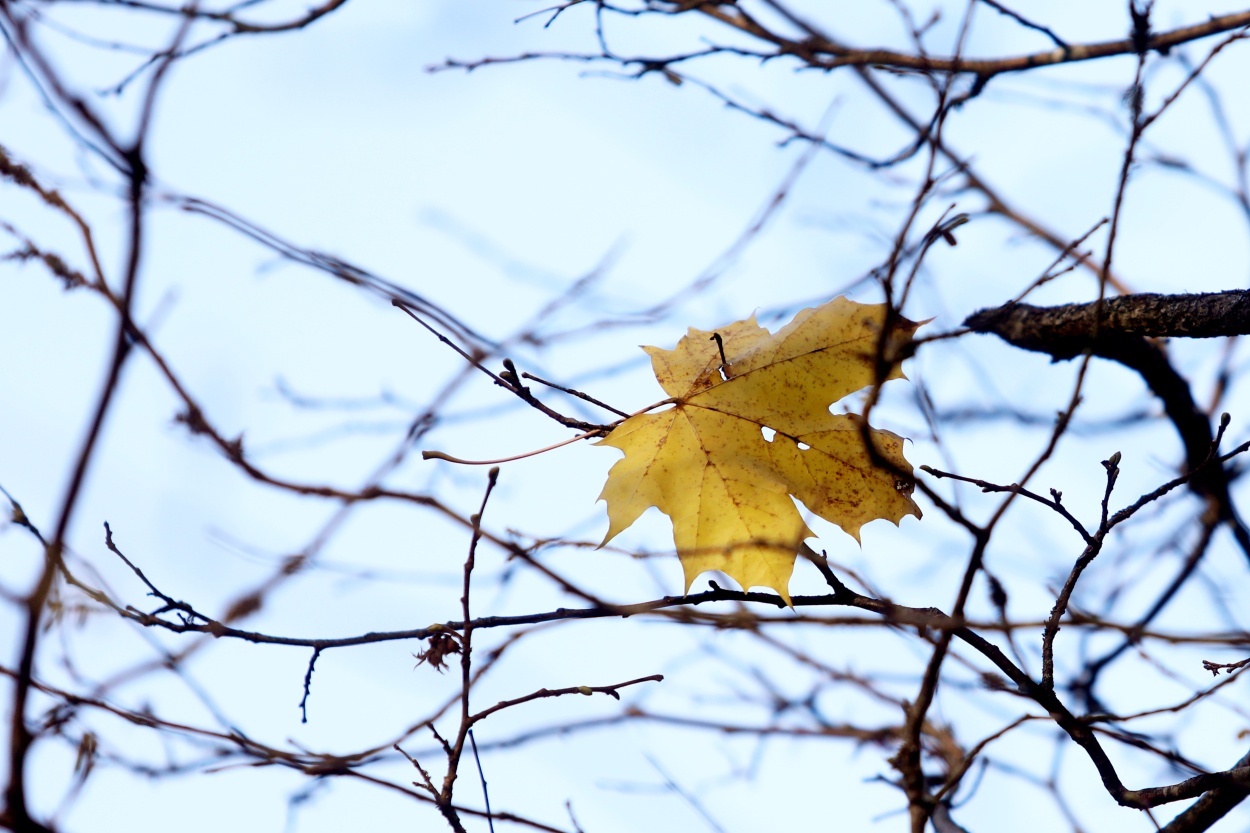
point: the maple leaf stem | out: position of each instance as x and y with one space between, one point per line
598 432
652 407
438 455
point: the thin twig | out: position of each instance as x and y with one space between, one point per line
482 775
1015 488
303 703
585 396
543 693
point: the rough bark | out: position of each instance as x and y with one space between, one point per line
1067 331
1212 807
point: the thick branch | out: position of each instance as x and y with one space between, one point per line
1067 331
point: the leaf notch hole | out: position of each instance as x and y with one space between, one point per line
768 433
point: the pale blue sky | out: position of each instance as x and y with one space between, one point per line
487 192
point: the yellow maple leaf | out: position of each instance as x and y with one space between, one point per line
706 463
